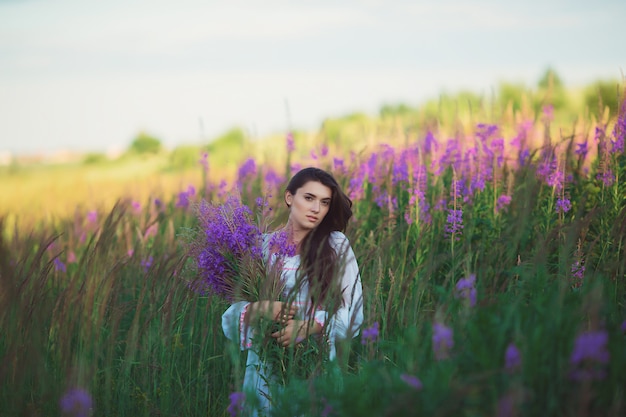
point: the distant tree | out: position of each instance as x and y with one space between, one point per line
550 79
509 93
145 144
601 95
94 158
232 141
185 156
391 110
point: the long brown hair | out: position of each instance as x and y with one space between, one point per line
319 261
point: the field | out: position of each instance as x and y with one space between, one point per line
492 257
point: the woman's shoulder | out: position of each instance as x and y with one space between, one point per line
338 239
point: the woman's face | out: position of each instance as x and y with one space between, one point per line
309 205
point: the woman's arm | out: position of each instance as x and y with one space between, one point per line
238 319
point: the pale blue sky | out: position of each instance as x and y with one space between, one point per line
87 75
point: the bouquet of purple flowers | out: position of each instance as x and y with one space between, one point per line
229 255
236 261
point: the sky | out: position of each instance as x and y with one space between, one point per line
86 75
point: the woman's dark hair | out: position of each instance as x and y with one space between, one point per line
318 258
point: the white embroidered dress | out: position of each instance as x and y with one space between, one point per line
344 323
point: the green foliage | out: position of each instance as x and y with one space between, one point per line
118 317
603 94
184 157
94 158
144 144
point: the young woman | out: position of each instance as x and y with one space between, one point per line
321 280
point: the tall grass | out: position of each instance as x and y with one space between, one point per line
101 302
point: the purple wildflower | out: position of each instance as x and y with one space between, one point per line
313 155
59 265
76 402
338 165
71 257
548 112
512 358
247 170
503 201
454 221
412 381
578 272
158 203
581 149
465 289
623 327
324 150
237 405
430 143
370 334
92 217
184 196
290 143
443 341
204 161
229 235
590 356
147 263
272 179
136 206
619 130
563 205
281 245
606 176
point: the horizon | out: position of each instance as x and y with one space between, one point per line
89 78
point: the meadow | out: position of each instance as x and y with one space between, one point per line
492 254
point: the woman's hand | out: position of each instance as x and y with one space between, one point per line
272 310
295 331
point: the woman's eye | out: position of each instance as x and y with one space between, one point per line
308 198
325 203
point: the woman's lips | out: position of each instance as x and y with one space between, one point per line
312 218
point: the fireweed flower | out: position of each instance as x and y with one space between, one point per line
563 205
581 149
92 217
184 196
237 406
443 341
412 381
430 143
512 358
370 334
280 244
71 257
147 263
606 176
578 272
503 201
590 356
247 170
229 235
454 224
204 161
76 402
465 289
272 179
548 112
59 265
290 143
